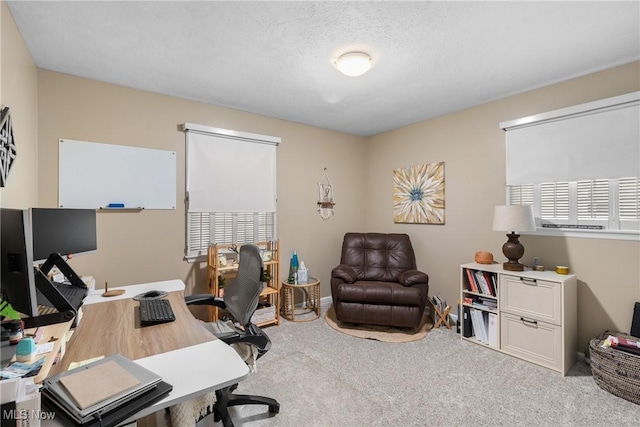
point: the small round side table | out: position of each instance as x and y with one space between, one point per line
311 291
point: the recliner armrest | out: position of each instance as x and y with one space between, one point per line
413 277
205 299
344 272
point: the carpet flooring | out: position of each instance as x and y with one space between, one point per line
322 377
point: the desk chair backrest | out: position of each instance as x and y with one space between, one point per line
241 297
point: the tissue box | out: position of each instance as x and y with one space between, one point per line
303 277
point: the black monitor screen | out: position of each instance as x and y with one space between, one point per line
16 263
62 231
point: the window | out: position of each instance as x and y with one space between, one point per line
599 205
578 168
228 227
231 194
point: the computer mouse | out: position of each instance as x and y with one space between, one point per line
152 294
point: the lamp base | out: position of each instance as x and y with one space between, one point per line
513 251
513 267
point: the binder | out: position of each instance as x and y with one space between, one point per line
479 327
467 329
493 329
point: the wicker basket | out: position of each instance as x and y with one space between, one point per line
615 371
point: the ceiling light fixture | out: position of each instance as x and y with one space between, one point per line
353 64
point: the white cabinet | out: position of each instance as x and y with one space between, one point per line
536 313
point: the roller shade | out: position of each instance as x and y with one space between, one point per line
230 171
599 140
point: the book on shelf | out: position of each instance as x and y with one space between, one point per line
489 278
472 281
493 329
482 302
479 326
482 283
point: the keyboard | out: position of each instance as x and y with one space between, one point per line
155 311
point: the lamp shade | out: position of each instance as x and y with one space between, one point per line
354 64
514 218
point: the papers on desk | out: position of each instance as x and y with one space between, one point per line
44 348
21 369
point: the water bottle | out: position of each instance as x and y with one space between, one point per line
293 269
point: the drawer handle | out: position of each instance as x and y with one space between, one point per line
530 282
532 322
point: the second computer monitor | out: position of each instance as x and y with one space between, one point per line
63 231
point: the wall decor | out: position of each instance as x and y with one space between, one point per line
326 202
7 145
418 194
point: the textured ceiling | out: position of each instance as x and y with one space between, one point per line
276 58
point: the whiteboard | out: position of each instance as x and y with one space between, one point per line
93 175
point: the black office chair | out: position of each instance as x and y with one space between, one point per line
240 300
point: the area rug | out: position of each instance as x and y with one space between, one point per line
380 333
303 386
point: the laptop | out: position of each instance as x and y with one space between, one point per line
73 294
71 396
48 293
115 416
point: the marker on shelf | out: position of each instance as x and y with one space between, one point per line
115 205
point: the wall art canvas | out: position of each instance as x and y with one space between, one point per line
418 194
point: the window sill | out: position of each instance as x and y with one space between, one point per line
589 234
195 258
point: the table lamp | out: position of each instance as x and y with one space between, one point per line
514 218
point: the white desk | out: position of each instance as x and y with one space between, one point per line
193 369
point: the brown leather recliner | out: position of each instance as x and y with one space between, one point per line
377 281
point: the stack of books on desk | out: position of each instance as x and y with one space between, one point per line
104 392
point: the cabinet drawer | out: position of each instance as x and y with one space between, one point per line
535 341
533 299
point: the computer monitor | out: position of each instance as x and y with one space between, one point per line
16 263
62 231
19 280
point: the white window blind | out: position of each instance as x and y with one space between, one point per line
602 205
629 199
593 199
231 187
554 200
578 167
598 140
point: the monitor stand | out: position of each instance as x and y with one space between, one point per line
56 260
65 312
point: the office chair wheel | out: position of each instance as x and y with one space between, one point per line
274 409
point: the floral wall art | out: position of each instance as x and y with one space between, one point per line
418 194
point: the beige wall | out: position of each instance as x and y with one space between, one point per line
18 91
473 149
146 246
